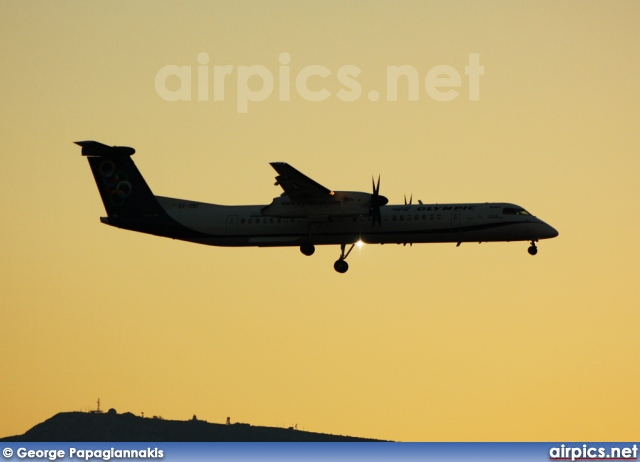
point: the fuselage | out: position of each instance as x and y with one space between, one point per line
247 225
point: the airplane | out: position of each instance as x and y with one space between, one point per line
306 214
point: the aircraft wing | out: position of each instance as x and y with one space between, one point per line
298 186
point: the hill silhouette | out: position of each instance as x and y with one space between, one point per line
114 427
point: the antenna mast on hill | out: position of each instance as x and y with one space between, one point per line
97 411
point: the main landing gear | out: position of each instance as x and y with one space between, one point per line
532 249
307 249
341 266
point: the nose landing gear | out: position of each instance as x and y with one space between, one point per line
532 249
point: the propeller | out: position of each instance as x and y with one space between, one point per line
409 203
377 201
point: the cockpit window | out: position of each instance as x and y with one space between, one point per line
515 211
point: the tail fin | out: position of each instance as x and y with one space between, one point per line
124 192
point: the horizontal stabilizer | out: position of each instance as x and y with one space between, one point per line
95 149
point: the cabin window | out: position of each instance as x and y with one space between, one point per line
242 221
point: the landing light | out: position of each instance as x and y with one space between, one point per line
359 244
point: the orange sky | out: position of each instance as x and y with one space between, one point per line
422 343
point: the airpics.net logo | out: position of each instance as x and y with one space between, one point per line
257 83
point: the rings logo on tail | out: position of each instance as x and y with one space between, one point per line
116 182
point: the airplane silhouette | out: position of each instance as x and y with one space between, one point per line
305 215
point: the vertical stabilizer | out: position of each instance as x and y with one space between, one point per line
124 191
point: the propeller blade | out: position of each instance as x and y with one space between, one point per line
410 199
377 201
374 186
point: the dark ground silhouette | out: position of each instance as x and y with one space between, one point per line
111 426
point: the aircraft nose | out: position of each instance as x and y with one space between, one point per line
549 232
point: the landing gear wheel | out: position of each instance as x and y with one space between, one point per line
533 249
307 248
341 266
